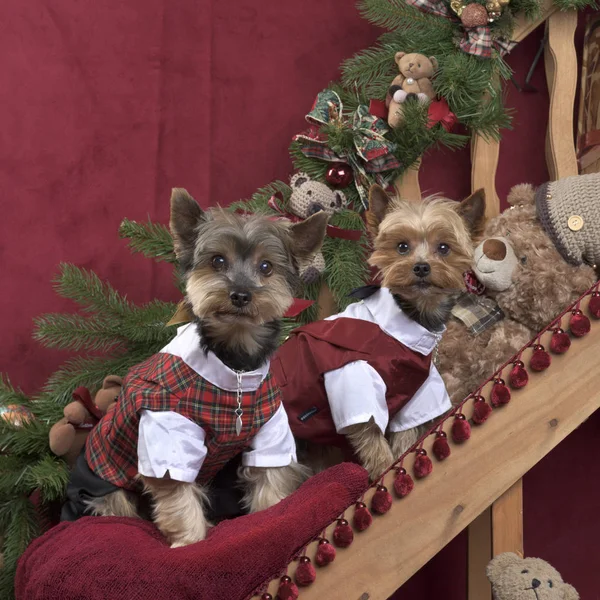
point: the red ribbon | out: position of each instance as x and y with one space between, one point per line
298 305
439 112
332 231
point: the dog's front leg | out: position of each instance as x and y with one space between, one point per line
371 447
401 441
178 510
266 486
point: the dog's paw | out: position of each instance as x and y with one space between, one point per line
185 541
377 462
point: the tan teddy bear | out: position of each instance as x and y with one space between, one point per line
67 436
413 81
516 578
526 278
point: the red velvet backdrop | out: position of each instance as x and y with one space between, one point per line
107 105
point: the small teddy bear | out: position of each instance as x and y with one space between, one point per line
526 278
67 436
516 578
413 81
309 197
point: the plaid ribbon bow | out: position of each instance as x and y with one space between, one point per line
372 155
477 41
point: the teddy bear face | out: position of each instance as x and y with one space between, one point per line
415 66
521 267
515 578
310 197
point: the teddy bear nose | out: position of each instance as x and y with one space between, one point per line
535 583
314 208
494 249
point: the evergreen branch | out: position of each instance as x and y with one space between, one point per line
575 4
397 15
13 475
87 289
25 439
153 240
258 203
10 395
50 476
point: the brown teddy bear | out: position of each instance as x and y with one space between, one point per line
412 82
515 578
527 281
67 437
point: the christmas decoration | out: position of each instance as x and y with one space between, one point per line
461 430
381 501
481 411
343 535
540 359
305 573
560 341
471 15
339 175
325 553
362 518
441 448
403 483
518 377
423 465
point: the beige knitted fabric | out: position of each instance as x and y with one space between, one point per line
559 201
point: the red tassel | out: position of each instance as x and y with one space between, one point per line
540 359
343 534
381 501
594 305
560 342
423 465
288 590
519 377
461 430
403 483
325 553
481 411
579 324
441 449
362 517
266 596
500 393
305 573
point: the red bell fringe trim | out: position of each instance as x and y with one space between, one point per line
540 360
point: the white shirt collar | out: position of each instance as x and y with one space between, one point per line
186 345
388 315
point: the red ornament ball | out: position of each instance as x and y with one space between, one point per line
362 517
325 553
339 175
518 376
441 449
481 411
594 305
540 359
560 342
343 534
381 501
305 573
579 324
403 483
461 430
474 15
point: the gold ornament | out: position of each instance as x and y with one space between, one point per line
472 16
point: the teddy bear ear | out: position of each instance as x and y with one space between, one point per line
434 62
570 593
521 194
498 564
298 179
112 381
398 56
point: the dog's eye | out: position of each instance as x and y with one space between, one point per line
550 584
524 571
403 248
218 262
523 259
444 249
266 268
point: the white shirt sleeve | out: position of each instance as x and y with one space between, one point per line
273 445
356 392
430 401
168 442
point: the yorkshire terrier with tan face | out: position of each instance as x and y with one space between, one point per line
208 397
367 373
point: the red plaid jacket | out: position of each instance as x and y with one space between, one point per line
165 383
323 346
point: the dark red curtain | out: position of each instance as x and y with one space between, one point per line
107 105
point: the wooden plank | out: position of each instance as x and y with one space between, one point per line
561 72
484 159
524 26
507 521
498 454
326 302
407 185
479 555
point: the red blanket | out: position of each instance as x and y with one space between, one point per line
97 558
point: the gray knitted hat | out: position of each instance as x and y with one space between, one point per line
569 211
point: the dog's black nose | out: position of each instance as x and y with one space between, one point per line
314 208
535 583
240 298
422 269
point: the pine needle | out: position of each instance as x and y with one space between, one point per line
153 240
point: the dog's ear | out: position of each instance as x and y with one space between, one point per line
307 236
186 215
379 203
472 211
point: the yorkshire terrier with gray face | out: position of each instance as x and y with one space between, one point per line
367 373
185 413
